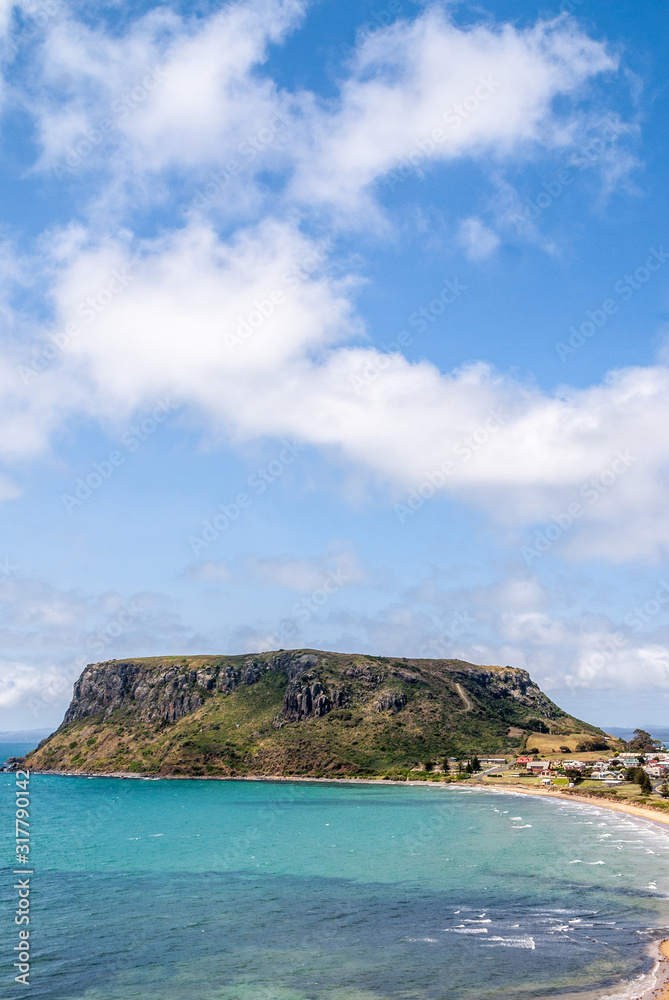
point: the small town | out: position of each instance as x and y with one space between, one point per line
637 770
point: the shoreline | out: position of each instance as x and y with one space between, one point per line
640 811
657 989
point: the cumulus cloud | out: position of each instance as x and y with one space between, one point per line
191 95
251 334
425 91
171 92
25 686
48 634
514 622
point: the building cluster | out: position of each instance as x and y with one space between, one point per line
610 771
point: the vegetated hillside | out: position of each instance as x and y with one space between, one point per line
298 712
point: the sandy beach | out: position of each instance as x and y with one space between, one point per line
654 815
661 990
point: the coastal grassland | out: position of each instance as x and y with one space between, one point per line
548 745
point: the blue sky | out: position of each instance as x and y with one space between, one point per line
335 325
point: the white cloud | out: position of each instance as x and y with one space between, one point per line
338 562
249 331
425 91
26 686
174 93
169 93
478 241
515 622
48 634
241 334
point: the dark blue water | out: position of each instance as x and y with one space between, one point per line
193 890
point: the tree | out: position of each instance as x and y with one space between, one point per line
537 726
428 765
469 769
630 773
645 783
476 763
445 766
592 745
641 740
664 790
565 749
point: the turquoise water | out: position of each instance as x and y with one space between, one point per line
15 750
196 890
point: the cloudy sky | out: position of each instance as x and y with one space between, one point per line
336 324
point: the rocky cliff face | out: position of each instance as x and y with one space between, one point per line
166 691
291 712
509 683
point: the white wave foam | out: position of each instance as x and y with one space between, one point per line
466 930
511 942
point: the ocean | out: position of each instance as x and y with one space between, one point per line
15 750
253 890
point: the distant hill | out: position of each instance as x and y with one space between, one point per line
657 732
24 735
297 712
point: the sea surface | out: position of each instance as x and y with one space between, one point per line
15 750
243 890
